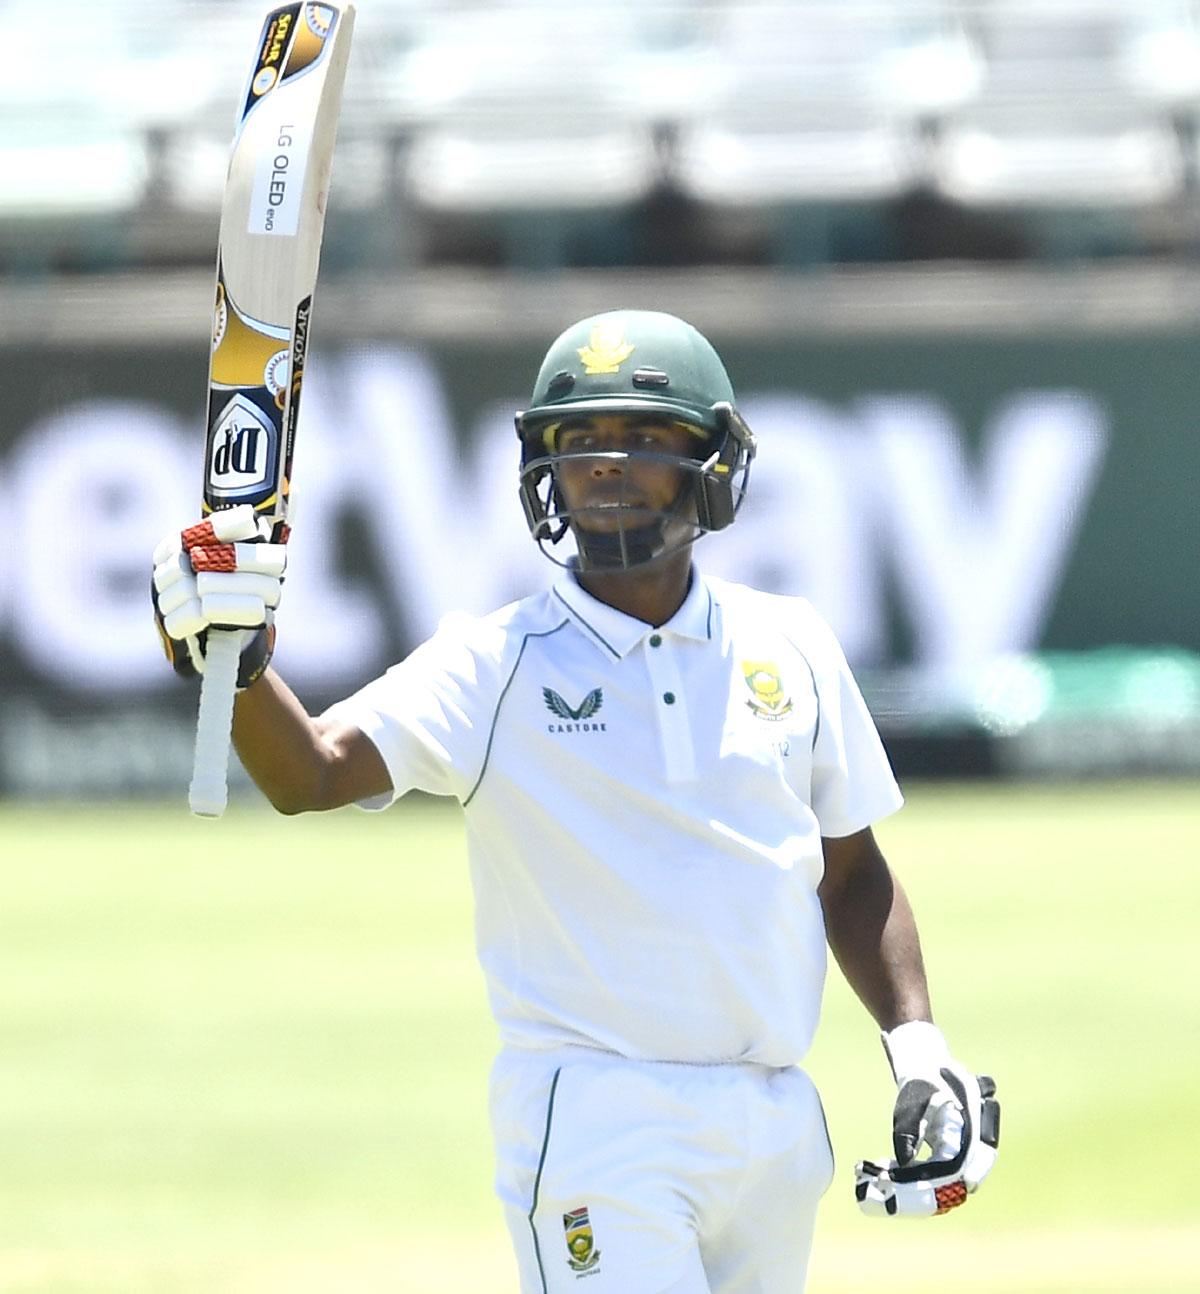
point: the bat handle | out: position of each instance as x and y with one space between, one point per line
208 793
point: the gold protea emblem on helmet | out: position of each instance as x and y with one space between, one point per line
606 350
768 700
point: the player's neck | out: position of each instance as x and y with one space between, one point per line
652 593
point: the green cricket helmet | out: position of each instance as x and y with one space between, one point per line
635 362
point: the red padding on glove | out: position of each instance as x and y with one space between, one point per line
198 536
213 557
950 1197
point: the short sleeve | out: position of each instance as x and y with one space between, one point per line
424 716
852 781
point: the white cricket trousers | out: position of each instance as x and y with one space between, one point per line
649 1177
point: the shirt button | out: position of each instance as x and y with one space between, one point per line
669 698
655 640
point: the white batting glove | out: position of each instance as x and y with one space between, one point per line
220 573
942 1105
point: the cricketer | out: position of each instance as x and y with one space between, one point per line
669 784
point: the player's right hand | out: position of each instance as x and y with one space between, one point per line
220 573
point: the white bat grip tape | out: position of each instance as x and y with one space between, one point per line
208 792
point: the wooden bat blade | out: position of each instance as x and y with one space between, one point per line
272 222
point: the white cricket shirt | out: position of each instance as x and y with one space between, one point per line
644 811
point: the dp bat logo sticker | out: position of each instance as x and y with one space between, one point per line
241 456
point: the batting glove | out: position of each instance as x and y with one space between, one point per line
221 574
941 1105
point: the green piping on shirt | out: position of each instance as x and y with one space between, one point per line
487 754
599 637
537 1181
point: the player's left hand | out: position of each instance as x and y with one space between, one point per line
942 1105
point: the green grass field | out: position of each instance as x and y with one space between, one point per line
250 1056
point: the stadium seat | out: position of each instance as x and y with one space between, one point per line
842 153
513 112
71 181
1060 118
69 164
818 111
840 75
1116 155
508 167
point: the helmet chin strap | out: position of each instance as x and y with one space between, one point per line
620 550
633 547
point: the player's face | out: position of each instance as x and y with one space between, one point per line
606 494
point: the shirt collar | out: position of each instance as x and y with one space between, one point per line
618 633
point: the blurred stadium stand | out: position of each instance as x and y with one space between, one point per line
533 134
782 174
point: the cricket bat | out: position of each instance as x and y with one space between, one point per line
272 219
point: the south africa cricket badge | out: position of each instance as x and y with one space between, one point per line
768 697
582 1255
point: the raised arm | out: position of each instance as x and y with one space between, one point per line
222 572
299 762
